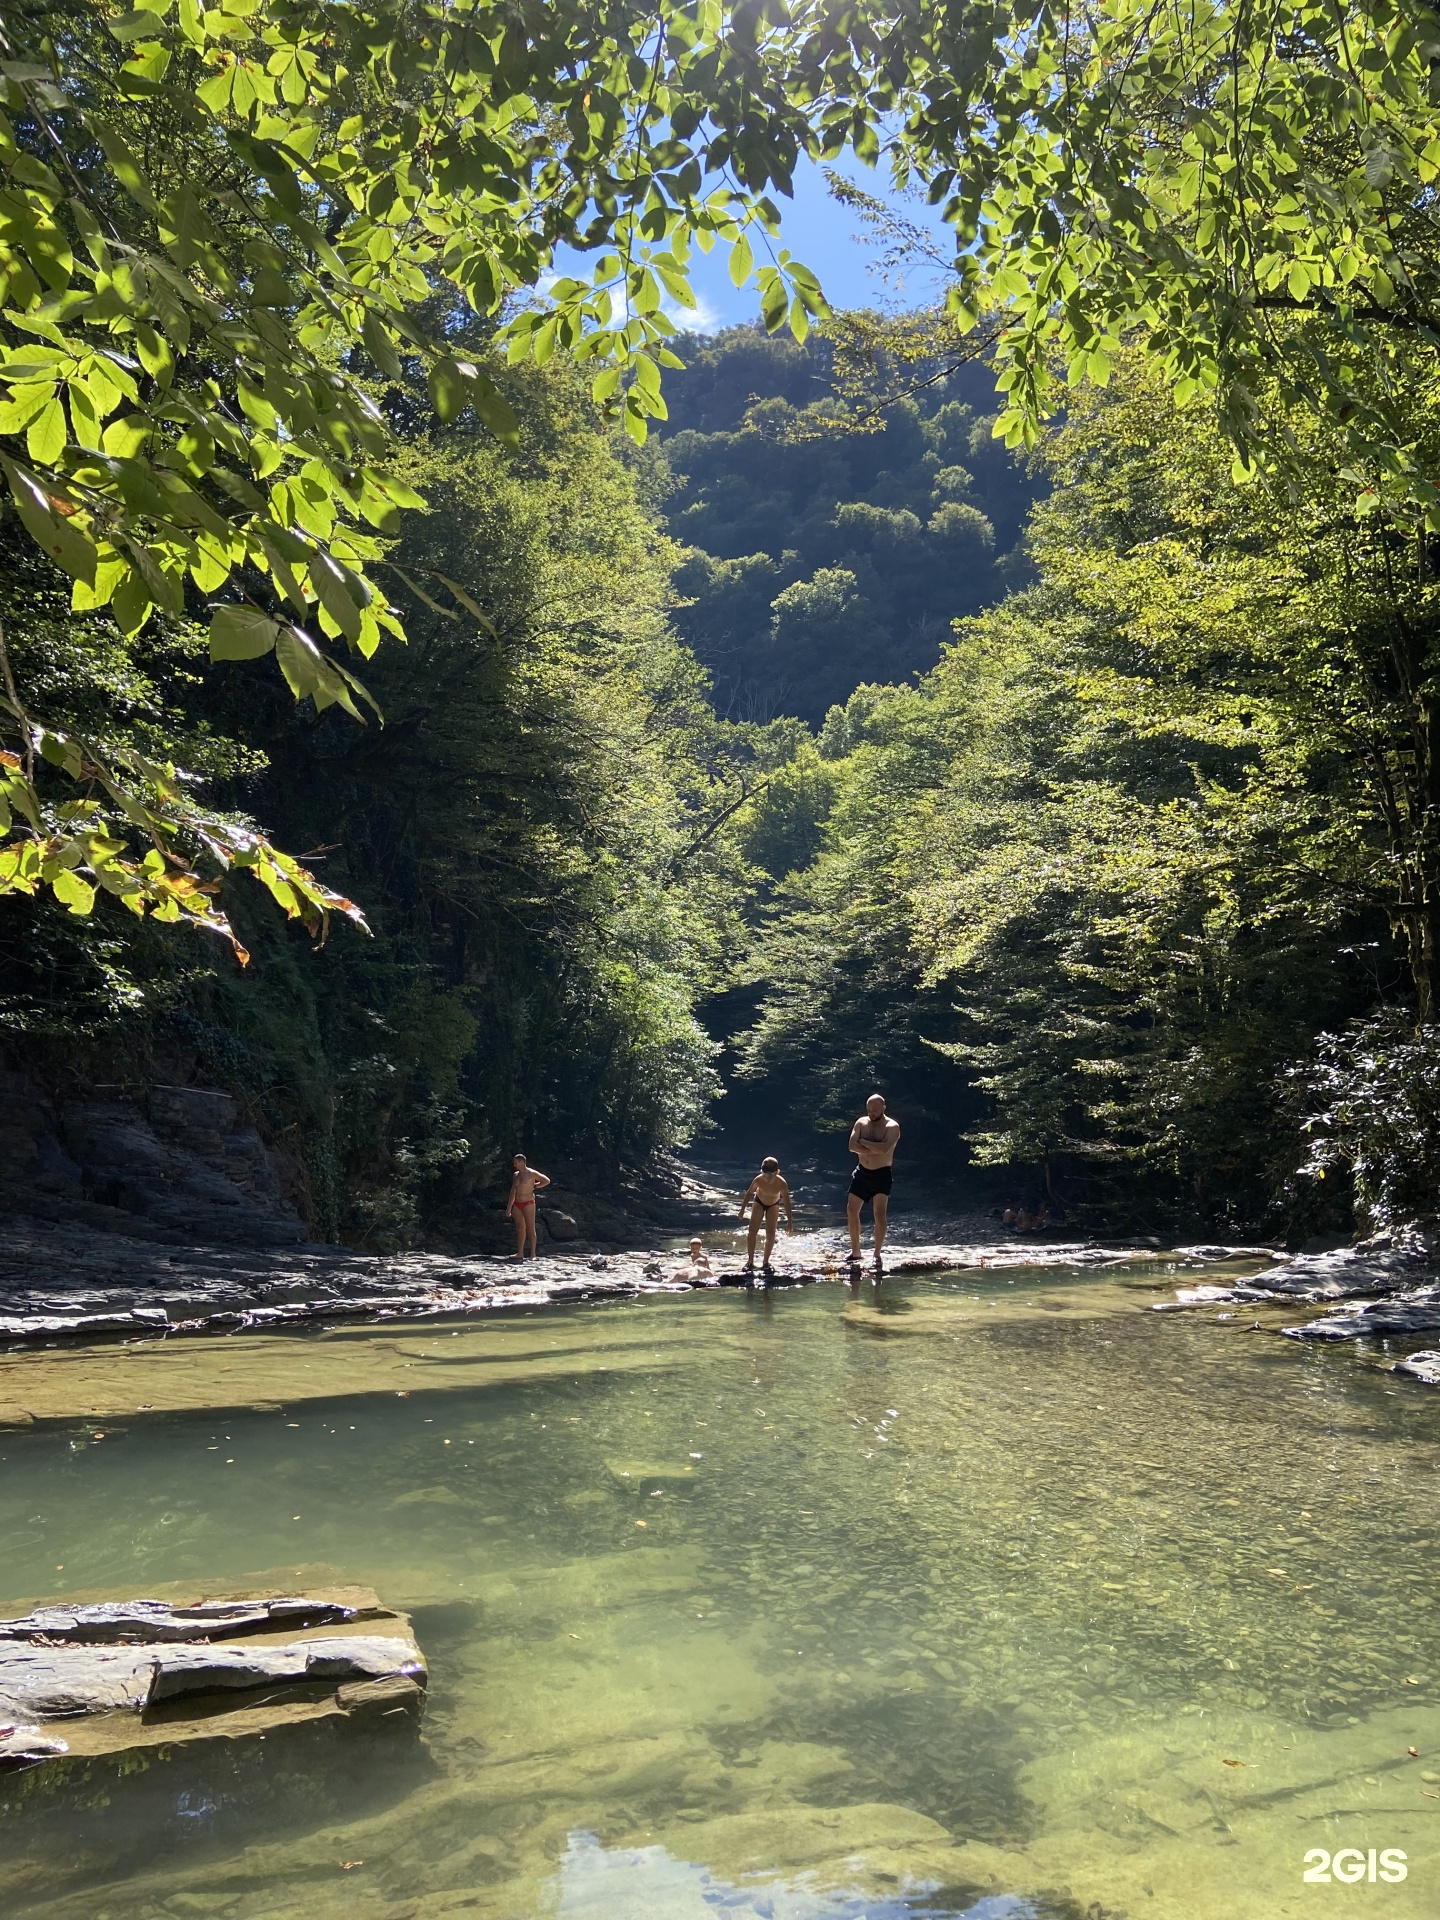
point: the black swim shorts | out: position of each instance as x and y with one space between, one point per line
866 1182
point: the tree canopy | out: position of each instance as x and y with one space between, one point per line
827 554
211 254
214 249
279 280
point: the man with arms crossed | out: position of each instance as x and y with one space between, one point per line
873 1140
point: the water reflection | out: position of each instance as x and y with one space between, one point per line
649 1883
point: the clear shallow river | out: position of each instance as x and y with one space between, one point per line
1006 1598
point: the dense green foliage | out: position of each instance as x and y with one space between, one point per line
213 224
1371 1099
530 832
1092 888
201 247
827 556
1247 190
1138 839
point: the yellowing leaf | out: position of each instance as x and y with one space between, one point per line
73 892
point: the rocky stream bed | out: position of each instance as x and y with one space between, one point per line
66 1281
161 1211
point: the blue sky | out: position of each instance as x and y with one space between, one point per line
830 239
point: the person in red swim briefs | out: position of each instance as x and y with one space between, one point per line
873 1140
520 1207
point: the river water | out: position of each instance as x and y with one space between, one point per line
998 1595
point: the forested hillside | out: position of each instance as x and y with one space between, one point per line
1094 894
527 831
1085 897
827 553
494 757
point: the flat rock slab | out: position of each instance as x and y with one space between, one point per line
64 1284
63 1682
1421 1366
1415 1312
124 1621
269 1660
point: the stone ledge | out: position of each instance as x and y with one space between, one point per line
97 1680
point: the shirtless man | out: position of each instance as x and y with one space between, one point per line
873 1140
520 1207
766 1191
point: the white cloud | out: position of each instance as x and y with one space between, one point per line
701 318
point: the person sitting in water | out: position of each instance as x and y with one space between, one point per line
764 1197
520 1207
698 1270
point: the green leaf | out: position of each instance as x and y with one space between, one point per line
447 613
49 519
241 633
742 261
333 591
127 169
495 410
308 671
466 601
131 603
449 389
21 408
300 660
379 345
141 25
46 435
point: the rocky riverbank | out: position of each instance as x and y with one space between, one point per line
162 1212
1385 1287
60 1281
